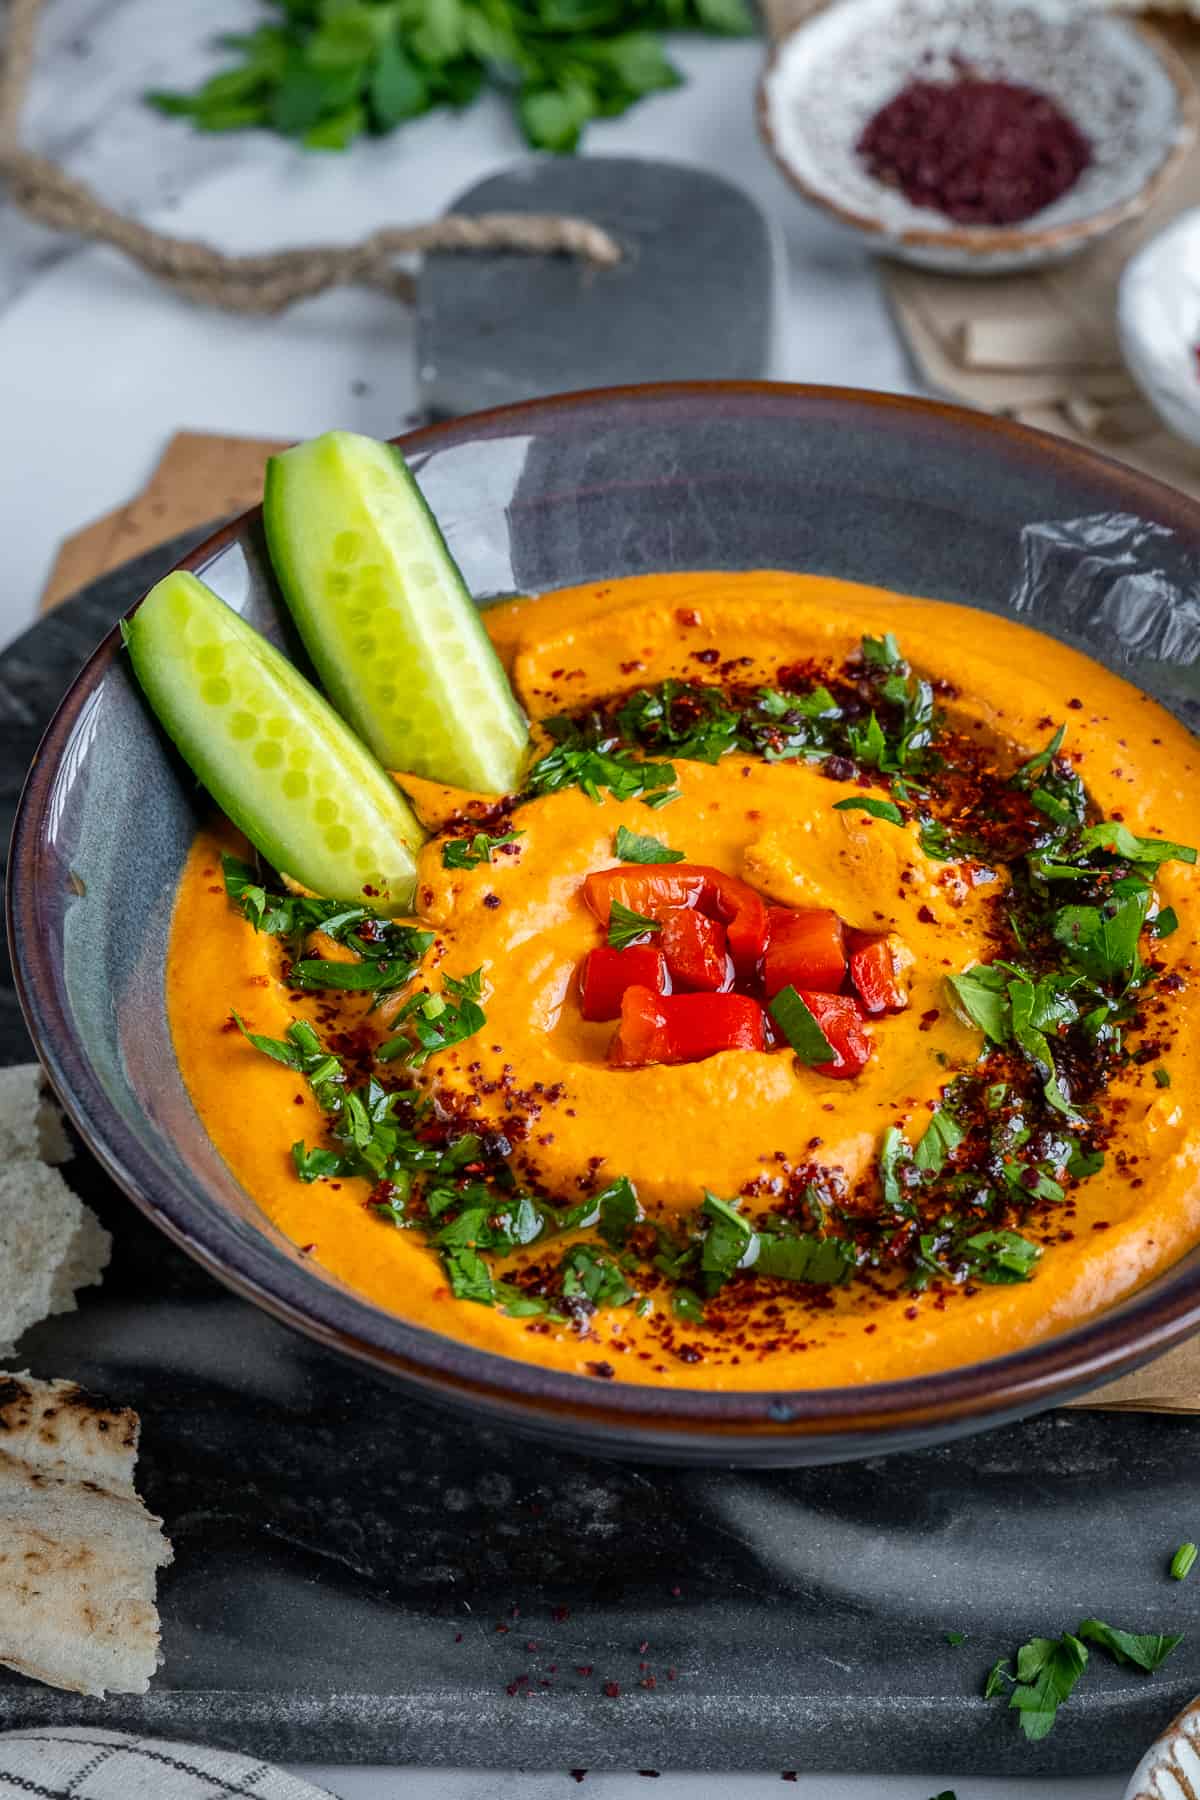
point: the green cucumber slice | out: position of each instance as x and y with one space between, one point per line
385 615
270 750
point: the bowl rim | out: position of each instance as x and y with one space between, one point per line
689 1423
985 241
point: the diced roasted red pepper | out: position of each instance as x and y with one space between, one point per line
654 890
745 926
641 1036
694 947
605 975
680 1028
804 950
845 1028
876 977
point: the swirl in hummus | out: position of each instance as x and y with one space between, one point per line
1014 1153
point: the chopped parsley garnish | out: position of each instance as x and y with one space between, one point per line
878 809
636 847
1183 1562
471 852
1048 1669
594 767
435 1023
386 954
625 926
702 723
1057 1005
800 1028
731 1244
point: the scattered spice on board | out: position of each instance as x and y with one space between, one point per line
980 152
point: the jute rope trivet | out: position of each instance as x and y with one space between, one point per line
250 284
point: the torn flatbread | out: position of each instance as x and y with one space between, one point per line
79 1553
51 1245
31 1127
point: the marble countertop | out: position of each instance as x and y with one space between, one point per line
98 368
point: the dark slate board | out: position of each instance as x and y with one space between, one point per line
358 1579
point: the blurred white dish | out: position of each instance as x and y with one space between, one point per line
830 74
1158 317
1170 1769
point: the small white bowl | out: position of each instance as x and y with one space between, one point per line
1158 320
1170 1769
1128 92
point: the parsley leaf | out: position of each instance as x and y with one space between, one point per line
820 1261
1048 1670
941 1136
1165 922
373 977
316 1165
800 1028
1029 772
590 1275
868 744
878 809
982 993
471 852
893 1156
1103 940
469 1276
636 847
625 926
1000 1257
1146 1652
1118 840
884 653
619 1211
728 1239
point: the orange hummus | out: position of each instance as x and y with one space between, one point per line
743 1122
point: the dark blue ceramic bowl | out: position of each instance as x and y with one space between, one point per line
924 499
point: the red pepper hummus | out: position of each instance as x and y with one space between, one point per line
861 1034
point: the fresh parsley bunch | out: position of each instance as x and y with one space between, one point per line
330 70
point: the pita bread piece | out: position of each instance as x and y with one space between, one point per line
51 1245
79 1553
31 1127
